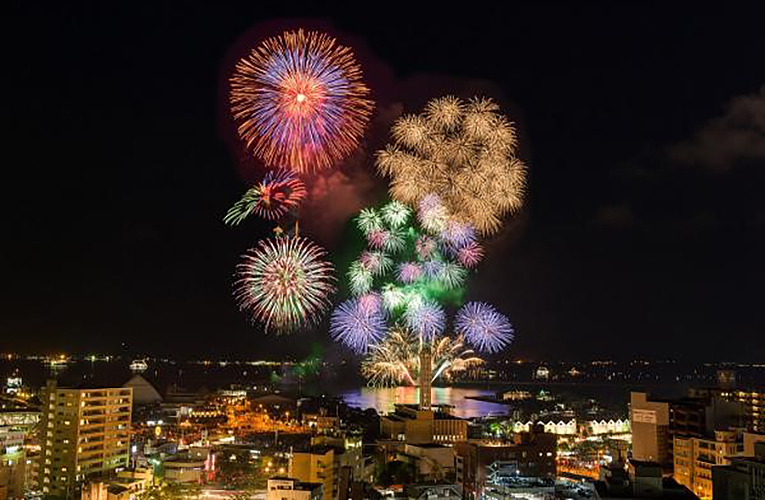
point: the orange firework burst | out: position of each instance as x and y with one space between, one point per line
299 101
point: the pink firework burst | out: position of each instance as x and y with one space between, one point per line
470 255
409 272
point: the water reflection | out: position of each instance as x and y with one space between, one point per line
384 399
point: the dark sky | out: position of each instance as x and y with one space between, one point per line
644 129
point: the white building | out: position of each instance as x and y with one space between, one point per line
285 488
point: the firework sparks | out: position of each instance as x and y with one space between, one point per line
451 275
432 268
425 246
462 152
458 234
279 192
484 327
432 214
395 214
396 360
470 255
376 263
360 278
284 282
393 297
388 240
377 238
426 318
299 100
409 272
369 220
359 322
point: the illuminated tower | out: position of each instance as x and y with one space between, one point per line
426 369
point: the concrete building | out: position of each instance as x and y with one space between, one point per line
529 454
190 466
750 440
285 488
743 479
83 432
17 467
432 492
12 462
127 485
639 479
655 422
321 422
411 424
752 400
695 457
12 466
333 462
649 421
432 461
32 471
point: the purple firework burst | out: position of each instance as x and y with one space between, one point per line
359 322
483 327
458 234
409 272
432 268
427 319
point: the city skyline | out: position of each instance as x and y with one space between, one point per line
639 237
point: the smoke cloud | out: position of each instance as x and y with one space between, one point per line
738 135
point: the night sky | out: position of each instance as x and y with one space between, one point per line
644 129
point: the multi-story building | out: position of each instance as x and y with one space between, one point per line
333 462
15 466
528 454
129 484
411 424
285 488
649 420
83 432
655 422
752 400
12 466
743 479
317 465
695 457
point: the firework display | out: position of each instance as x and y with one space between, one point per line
359 322
299 101
407 282
426 318
484 327
396 360
464 152
301 106
284 282
279 192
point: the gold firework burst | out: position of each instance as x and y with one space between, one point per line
463 152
